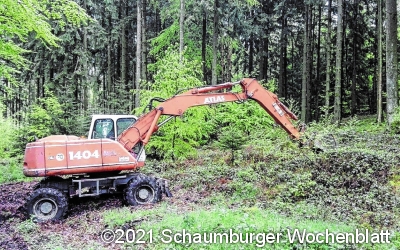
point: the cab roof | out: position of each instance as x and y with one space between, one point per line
113 116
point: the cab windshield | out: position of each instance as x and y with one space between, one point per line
103 128
124 123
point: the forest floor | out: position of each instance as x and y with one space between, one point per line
271 187
80 230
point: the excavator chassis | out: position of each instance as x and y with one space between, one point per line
49 200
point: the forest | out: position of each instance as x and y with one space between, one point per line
325 57
332 63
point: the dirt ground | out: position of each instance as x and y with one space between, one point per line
12 212
83 212
12 197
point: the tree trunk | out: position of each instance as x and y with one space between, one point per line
144 42
317 82
261 60
229 64
266 60
109 65
304 71
354 78
203 45
222 51
307 65
85 66
138 52
380 65
251 55
328 59
215 45
282 58
124 47
181 26
338 79
391 60
309 62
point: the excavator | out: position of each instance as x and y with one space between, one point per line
73 166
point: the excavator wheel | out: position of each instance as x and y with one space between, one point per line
47 204
142 190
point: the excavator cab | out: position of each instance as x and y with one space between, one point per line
111 126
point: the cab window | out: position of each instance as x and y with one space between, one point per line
103 128
124 123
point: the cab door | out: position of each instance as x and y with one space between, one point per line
103 128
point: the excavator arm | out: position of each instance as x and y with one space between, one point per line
146 125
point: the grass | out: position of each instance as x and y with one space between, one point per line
11 171
172 229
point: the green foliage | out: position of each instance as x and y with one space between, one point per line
332 179
244 191
7 131
201 123
231 138
395 126
245 117
177 138
43 119
12 53
65 12
11 170
20 19
355 176
396 240
164 40
219 220
28 226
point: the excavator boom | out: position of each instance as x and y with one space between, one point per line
146 125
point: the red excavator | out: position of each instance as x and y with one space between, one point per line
89 167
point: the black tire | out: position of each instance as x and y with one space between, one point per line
142 190
47 204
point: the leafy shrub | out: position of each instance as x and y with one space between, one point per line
43 119
351 185
11 170
395 126
231 139
246 117
8 131
177 139
354 183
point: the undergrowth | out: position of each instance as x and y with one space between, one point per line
11 170
170 228
355 181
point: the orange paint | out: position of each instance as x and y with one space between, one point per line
56 157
